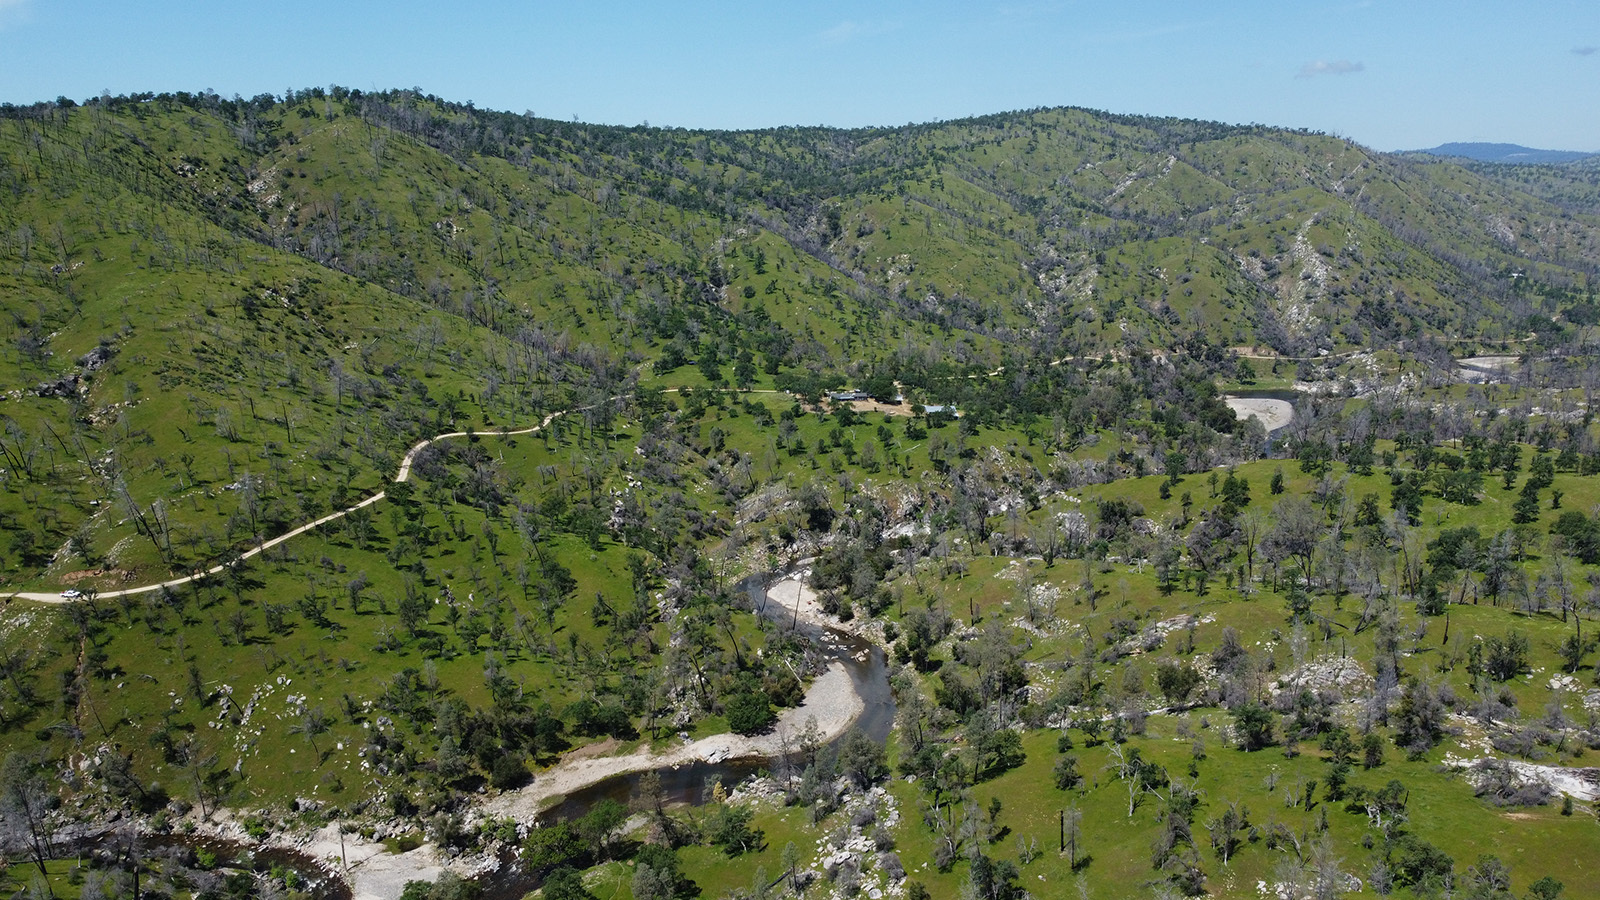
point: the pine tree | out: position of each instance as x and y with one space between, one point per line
1526 509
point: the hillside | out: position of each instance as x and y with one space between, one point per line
509 265
570 399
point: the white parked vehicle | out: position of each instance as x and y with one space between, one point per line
71 594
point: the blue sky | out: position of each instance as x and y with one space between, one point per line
1391 75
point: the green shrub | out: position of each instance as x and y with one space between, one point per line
748 712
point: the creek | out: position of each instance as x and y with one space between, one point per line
313 875
687 783
690 783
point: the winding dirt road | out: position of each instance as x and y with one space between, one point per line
831 706
403 474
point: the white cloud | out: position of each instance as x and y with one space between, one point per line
1029 10
841 32
1330 67
850 30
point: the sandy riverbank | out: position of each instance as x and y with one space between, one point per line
831 700
1485 369
375 873
1274 414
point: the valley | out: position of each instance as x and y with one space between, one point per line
433 502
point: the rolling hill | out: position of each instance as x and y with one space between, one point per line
1093 587
380 266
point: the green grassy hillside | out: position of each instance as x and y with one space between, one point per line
330 276
228 318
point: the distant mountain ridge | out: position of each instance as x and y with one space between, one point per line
1506 153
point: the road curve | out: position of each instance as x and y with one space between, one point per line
403 474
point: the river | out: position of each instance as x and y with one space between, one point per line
856 680
868 669
689 783
315 876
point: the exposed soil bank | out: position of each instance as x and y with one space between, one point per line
1274 414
